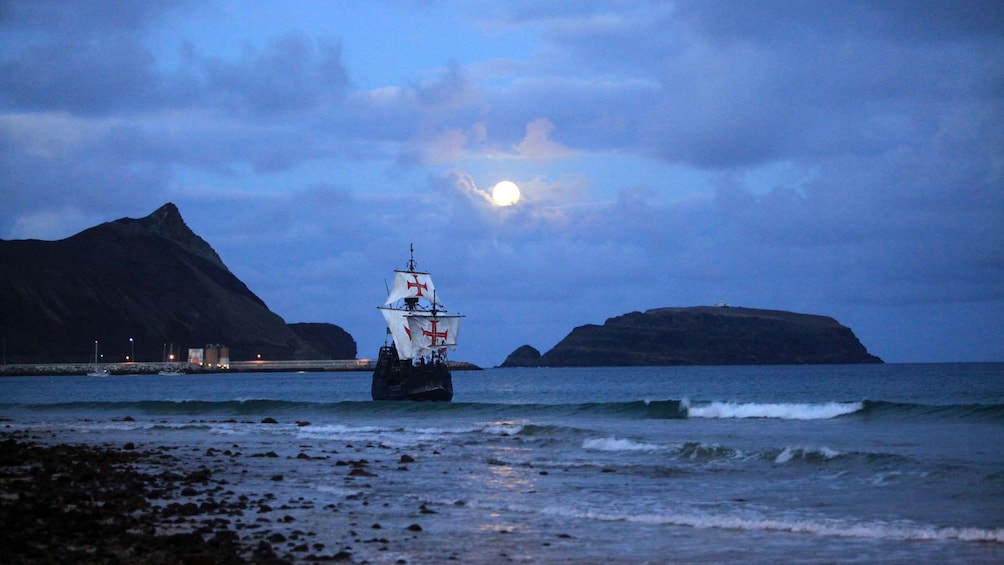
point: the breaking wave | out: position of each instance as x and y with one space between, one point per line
640 409
819 527
617 444
784 411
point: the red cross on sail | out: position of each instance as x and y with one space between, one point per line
435 335
430 333
411 284
418 286
397 323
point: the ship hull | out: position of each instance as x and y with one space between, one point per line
397 379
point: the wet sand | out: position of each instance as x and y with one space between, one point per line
62 501
74 503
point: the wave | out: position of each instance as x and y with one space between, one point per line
878 408
800 453
618 444
179 407
784 411
819 527
834 409
715 453
657 409
640 409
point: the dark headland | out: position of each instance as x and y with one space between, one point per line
151 280
702 335
142 287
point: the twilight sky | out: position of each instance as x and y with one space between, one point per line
836 158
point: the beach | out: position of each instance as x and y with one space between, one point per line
799 464
148 503
165 504
65 503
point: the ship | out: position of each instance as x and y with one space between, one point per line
412 363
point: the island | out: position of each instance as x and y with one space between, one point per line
702 335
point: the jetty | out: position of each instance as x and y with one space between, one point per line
256 366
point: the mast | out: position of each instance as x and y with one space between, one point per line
416 320
411 302
411 261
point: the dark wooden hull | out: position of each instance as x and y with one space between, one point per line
396 379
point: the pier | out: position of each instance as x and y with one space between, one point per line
276 366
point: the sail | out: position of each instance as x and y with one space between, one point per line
432 333
397 323
410 284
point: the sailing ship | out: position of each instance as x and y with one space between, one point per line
414 366
97 371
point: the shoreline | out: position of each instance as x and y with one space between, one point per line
78 503
120 369
62 501
133 499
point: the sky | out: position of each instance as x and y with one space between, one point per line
834 158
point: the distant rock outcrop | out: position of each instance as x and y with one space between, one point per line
330 340
523 356
703 336
136 286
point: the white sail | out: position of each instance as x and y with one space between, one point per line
432 333
397 323
409 284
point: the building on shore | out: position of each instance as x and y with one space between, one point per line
212 356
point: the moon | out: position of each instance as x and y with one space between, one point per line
505 193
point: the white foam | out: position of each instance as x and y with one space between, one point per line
821 527
617 444
783 411
789 453
834 528
396 436
502 428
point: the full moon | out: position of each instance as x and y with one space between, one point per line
505 193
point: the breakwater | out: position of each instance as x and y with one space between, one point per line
154 368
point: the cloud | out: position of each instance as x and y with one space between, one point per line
464 184
290 74
51 224
537 145
84 75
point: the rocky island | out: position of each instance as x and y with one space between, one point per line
702 335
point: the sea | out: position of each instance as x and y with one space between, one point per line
798 464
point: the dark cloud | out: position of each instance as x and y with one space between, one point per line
81 75
84 17
291 74
902 20
740 85
86 57
92 58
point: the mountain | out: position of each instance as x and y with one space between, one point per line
702 336
141 285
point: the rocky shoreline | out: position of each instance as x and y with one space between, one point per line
64 503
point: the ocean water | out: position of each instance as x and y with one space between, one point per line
864 463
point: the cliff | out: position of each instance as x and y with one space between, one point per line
150 279
703 336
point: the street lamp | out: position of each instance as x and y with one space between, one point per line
132 350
